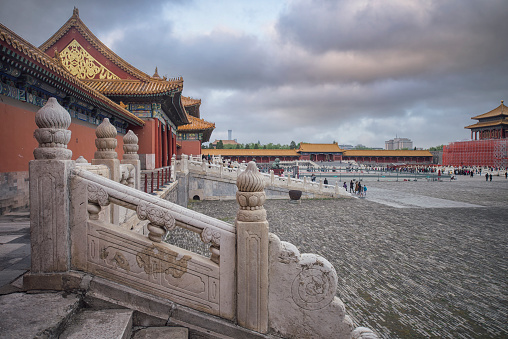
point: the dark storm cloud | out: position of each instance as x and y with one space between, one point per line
351 71
422 36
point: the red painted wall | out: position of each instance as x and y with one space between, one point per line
189 147
146 137
17 141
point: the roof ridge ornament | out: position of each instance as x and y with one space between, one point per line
75 12
156 74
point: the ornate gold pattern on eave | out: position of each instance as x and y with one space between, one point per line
75 22
42 58
80 63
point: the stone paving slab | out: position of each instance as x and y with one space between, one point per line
35 315
413 272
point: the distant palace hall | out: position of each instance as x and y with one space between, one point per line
488 145
326 152
92 83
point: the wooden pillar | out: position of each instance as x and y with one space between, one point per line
156 151
165 147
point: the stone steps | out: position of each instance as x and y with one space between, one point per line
60 315
100 324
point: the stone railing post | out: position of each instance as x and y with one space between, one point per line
49 190
106 155
184 165
130 155
252 251
173 168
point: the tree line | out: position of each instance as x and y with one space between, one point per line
252 145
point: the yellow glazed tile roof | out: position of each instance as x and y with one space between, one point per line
387 153
251 152
196 124
501 110
320 148
134 87
37 55
186 101
503 121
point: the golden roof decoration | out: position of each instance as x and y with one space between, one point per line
156 74
75 22
34 53
82 64
499 111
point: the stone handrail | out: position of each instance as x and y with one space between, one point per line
131 198
147 262
219 170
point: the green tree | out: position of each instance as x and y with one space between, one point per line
220 144
247 146
238 146
256 146
264 146
292 145
436 148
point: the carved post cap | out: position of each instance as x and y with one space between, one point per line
106 141
52 135
250 180
130 146
251 194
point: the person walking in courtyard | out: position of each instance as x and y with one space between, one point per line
486 177
506 175
490 176
345 186
364 190
351 187
325 181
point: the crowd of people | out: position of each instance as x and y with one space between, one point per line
356 188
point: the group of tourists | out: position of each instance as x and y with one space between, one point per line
357 188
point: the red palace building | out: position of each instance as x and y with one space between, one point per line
92 83
488 145
326 153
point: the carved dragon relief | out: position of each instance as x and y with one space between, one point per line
168 262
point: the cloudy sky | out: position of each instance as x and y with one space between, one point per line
351 71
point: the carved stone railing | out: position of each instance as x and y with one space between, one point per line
232 171
279 289
126 257
250 277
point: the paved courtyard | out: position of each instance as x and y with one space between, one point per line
414 259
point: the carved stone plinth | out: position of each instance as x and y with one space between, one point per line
49 190
302 302
49 215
